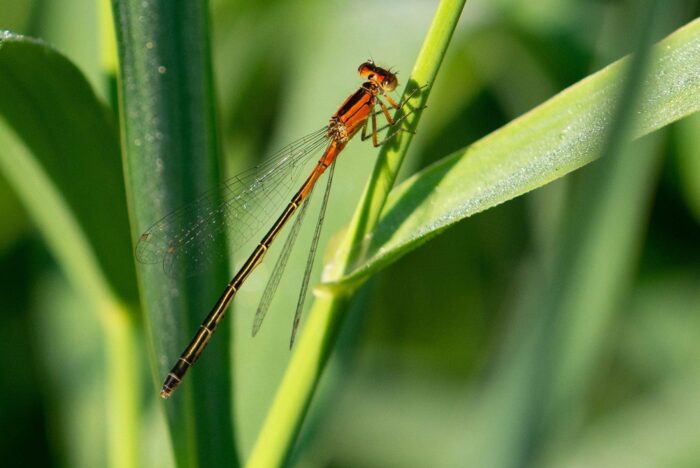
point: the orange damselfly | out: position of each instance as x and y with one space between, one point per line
259 191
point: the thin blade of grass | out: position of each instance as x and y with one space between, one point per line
318 337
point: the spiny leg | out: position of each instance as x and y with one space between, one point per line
394 104
391 122
399 105
374 127
373 135
385 109
364 136
395 122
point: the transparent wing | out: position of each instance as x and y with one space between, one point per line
312 256
241 206
277 271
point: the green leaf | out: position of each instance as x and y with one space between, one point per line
171 152
60 153
597 250
559 136
73 142
689 162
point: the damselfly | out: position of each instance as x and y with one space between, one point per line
242 203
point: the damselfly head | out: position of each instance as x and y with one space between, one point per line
382 77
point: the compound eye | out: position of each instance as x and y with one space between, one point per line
365 68
389 83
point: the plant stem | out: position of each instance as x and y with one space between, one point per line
286 415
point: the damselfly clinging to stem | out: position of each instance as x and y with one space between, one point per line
244 202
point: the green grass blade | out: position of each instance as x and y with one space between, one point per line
689 162
171 150
316 341
561 135
60 153
545 377
598 250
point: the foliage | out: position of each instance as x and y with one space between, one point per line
557 328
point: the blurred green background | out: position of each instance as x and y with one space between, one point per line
440 361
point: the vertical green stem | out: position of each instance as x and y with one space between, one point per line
391 156
286 415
